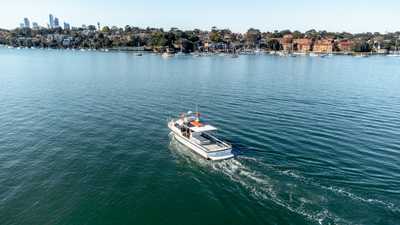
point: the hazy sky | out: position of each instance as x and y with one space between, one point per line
333 15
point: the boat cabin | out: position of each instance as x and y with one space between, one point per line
199 133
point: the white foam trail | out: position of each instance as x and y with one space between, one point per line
352 196
262 187
336 190
343 192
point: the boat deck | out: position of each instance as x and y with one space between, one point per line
213 147
203 140
210 144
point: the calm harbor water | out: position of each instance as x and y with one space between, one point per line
83 139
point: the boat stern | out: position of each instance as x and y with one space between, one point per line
220 155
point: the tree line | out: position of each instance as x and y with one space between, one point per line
174 39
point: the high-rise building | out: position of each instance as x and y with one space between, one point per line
66 26
27 24
35 25
51 21
21 25
56 22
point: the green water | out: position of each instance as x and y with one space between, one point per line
83 139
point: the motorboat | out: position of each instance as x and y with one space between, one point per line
394 55
299 53
282 54
361 55
167 55
179 54
199 137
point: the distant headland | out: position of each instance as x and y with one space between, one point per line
216 40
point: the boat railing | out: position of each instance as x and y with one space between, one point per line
208 135
217 140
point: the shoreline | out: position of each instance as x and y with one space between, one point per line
215 53
214 41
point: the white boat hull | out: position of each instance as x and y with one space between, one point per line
215 155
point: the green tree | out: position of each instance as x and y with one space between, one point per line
361 46
157 39
284 32
274 45
105 29
128 29
297 34
215 36
253 37
312 33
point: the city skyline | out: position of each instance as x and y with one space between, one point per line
53 22
351 16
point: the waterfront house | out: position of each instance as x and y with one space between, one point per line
206 46
382 51
67 42
228 37
378 45
303 45
287 43
345 45
324 46
2 37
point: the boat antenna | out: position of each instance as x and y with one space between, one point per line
197 114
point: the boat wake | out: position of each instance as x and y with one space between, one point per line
295 193
341 191
286 188
265 188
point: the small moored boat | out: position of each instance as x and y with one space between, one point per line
188 130
167 55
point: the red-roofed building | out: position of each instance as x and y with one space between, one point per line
302 44
324 46
287 42
345 45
